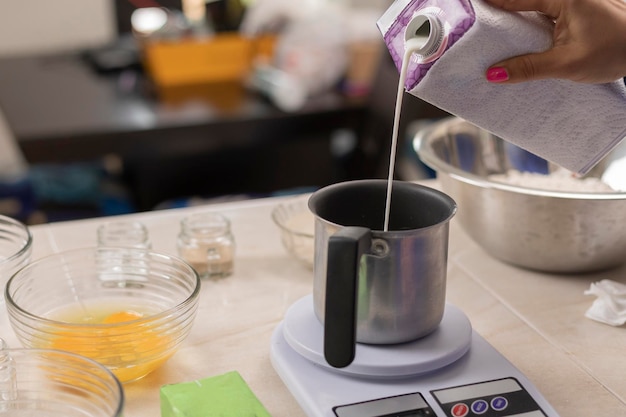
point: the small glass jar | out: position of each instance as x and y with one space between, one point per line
206 242
124 234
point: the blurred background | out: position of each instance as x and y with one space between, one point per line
117 106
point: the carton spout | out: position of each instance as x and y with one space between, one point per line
426 35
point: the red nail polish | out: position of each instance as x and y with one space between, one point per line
497 74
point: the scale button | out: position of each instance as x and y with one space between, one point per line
480 406
459 410
499 403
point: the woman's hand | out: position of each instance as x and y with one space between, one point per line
589 42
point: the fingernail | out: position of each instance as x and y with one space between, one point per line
497 75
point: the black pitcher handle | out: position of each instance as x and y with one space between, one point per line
345 249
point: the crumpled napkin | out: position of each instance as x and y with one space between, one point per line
610 306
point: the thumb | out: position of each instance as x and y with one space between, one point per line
525 68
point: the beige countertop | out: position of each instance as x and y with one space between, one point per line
535 320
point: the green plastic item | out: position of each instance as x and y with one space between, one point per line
225 395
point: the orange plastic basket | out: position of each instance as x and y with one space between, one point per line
223 57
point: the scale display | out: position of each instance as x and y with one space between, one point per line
505 397
476 381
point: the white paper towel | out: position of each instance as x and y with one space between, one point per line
571 124
610 306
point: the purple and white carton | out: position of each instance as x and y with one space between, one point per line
573 125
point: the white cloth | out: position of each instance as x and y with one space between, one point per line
571 124
610 305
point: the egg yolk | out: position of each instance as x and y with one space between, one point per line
121 316
129 350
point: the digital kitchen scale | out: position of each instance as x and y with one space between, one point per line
452 372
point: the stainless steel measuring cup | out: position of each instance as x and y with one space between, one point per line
375 286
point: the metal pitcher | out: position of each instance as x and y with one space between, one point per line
375 286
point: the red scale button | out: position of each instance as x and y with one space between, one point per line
459 410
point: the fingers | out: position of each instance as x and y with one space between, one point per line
525 68
548 7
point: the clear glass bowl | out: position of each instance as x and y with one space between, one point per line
297 227
49 383
128 309
15 248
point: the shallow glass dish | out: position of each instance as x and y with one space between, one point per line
129 309
49 383
297 228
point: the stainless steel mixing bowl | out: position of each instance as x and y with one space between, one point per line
560 231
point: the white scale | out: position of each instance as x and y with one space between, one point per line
453 372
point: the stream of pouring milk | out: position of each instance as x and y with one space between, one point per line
411 46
